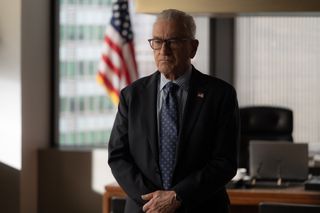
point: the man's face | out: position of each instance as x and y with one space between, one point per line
173 60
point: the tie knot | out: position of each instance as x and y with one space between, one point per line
171 87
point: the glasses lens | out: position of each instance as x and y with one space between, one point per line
156 43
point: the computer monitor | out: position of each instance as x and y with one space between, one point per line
271 160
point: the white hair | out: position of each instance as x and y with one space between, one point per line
185 19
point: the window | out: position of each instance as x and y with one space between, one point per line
85 113
277 63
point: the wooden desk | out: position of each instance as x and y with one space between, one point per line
247 200
111 190
242 200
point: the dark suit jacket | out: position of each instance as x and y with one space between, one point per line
206 153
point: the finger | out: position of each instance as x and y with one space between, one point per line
146 206
147 196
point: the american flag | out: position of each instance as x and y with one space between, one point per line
118 66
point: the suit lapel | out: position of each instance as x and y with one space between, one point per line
149 104
196 96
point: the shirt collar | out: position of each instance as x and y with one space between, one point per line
182 81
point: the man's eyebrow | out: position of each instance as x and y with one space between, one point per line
174 37
156 37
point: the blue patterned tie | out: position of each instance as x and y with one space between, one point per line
169 120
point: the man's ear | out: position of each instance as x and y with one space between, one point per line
194 47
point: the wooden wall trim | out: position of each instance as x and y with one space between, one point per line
212 7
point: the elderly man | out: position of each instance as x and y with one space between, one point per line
173 143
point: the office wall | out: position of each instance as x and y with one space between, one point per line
24 95
10 63
214 7
25 81
65 182
35 94
10 105
72 180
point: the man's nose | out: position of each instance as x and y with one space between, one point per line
165 47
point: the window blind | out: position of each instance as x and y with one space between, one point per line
278 63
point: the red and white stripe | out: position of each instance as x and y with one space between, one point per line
118 66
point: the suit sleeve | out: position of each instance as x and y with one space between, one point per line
199 185
120 160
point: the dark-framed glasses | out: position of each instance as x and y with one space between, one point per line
173 43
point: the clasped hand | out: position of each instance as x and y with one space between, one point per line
160 202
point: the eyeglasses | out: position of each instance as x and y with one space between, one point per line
173 43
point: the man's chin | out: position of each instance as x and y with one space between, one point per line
165 69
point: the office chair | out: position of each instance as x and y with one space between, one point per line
263 123
288 208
